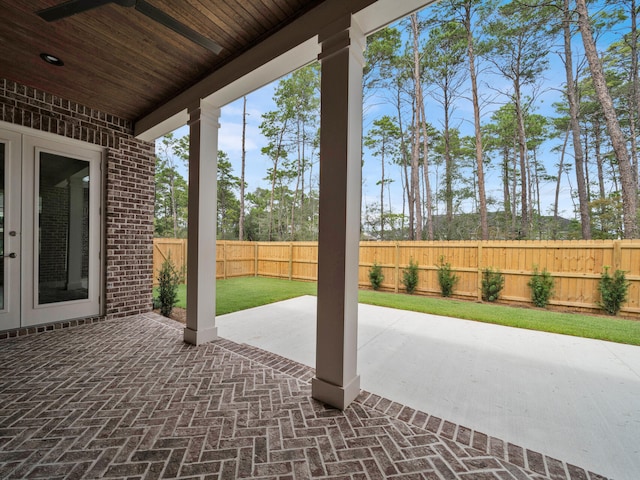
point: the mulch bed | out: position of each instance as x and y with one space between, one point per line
178 314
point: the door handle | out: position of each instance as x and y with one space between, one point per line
11 255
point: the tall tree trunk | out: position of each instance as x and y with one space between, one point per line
597 129
282 212
410 202
415 178
390 206
522 155
585 220
304 166
634 92
299 174
516 233
274 178
271 199
633 139
405 196
174 204
537 193
629 191
405 162
242 169
484 224
506 196
448 169
586 151
425 172
635 83
554 234
382 192
415 154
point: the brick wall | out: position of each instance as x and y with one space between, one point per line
129 187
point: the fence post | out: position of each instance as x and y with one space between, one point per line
479 282
617 255
224 259
184 258
255 256
290 260
397 285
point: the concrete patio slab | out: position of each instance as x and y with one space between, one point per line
572 398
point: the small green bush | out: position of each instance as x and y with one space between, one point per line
446 278
492 284
168 280
613 291
541 285
376 276
410 277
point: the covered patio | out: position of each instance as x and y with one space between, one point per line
92 384
93 116
127 398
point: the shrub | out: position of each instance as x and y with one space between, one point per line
446 278
492 284
541 285
410 276
168 279
375 275
613 291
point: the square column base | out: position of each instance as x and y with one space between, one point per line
334 395
198 337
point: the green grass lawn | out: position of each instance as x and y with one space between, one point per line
236 294
242 293
613 329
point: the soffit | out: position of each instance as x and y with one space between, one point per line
123 63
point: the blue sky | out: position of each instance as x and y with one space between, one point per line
230 135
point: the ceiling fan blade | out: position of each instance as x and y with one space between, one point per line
69 8
170 22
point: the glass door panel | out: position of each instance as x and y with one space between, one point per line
63 229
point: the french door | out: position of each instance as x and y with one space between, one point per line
50 193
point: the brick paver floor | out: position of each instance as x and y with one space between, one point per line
129 399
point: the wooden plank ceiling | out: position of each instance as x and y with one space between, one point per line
121 62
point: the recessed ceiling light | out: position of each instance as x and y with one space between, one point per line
52 59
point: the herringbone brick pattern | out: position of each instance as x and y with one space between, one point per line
128 399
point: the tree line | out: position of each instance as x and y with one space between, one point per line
489 60
283 208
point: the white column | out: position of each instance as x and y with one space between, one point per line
337 382
201 232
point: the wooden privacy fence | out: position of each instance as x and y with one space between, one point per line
576 266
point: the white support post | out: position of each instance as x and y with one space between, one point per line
337 382
201 233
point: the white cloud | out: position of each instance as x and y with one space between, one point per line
230 138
